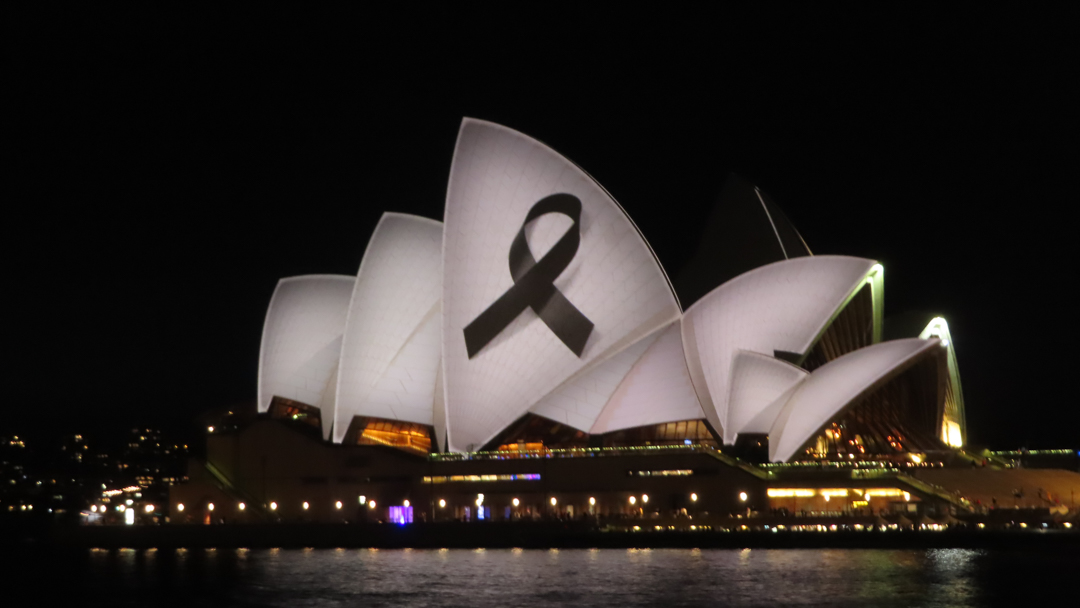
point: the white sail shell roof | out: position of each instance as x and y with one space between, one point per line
391 349
757 381
579 401
657 389
834 386
301 341
784 306
613 279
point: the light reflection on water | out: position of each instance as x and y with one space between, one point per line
593 577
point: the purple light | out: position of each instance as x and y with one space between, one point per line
401 515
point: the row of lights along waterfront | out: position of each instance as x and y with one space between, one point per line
371 504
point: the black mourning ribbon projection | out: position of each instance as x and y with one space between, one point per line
534 284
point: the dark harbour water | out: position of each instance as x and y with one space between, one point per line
516 577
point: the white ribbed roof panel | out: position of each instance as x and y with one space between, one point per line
613 278
579 400
783 306
834 386
406 390
657 389
391 348
756 382
301 341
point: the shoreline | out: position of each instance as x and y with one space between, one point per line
542 535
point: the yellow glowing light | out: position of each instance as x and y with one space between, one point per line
371 504
916 458
633 500
553 501
210 506
742 496
952 434
907 496
789 492
515 502
149 508
273 506
180 507
1023 525
338 505
693 497
834 492
306 505
93 508
592 501
241 506
1067 524
827 497
404 504
883 492
644 498
442 503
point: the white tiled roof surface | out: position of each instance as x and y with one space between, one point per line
756 382
392 343
781 306
614 279
301 341
656 390
579 400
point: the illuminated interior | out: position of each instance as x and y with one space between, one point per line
897 418
287 409
851 330
408 436
691 432
851 500
533 433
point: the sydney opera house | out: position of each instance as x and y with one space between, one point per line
528 356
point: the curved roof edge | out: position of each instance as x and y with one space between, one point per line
782 306
837 385
939 328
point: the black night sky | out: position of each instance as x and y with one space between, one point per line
164 170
